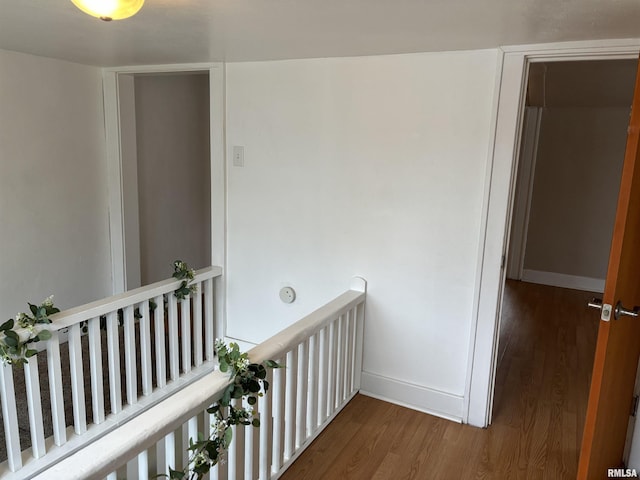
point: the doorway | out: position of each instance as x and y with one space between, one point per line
217 179
114 118
572 150
511 84
165 147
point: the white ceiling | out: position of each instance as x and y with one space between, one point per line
181 31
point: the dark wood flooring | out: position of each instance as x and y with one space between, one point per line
547 342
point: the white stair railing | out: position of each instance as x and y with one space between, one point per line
106 362
322 354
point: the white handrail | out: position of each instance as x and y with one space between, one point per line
112 451
103 306
290 337
106 454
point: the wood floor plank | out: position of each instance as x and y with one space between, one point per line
547 342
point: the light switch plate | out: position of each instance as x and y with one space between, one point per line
238 156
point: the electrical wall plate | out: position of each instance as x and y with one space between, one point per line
238 156
287 294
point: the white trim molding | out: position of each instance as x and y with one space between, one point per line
524 192
114 166
499 191
554 279
416 397
217 136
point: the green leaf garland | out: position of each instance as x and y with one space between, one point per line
13 350
248 384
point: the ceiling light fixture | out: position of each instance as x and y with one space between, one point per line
108 10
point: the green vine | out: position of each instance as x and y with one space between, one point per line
249 383
13 350
181 271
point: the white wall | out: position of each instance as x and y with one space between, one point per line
575 192
370 166
54 236
173 157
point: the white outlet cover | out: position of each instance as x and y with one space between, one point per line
238 156
287 294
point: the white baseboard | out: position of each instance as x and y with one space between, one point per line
412 396
565 281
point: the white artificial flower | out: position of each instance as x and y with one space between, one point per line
23 320
243 364
48 302
200 459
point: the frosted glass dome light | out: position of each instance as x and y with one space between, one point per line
108 10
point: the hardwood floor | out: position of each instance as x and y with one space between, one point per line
547 342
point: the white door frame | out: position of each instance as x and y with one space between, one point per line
498 201
218 170
523 191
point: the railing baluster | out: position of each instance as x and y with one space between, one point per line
183 452
173 337
55 390
185 323
237 448
359 329
347 355
95 365
10 417
197 324
339 361
339 379
253 458
192 430
312 394
130 356
223 468
279 388
161 358
343 358
113 349
240 447
209 429
232 456
145 348
209 319
265 406
170 452
77 379
323 375
331 378
301 394
290 403
352 349
34 401
143 465
132 469
162 467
